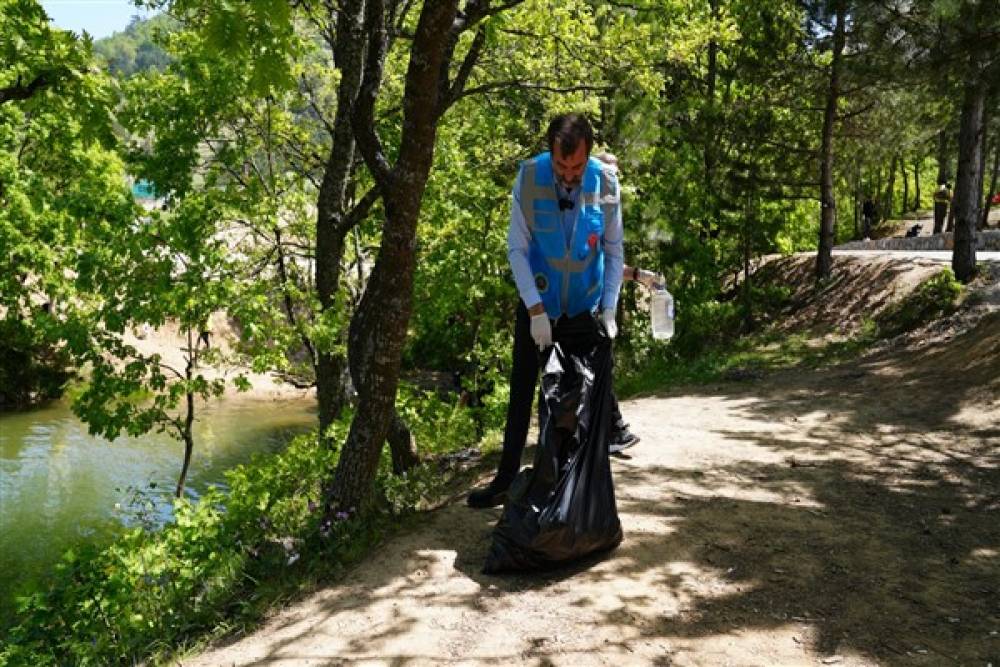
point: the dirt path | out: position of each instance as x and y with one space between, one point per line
846 516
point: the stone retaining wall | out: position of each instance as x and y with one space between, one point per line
985 240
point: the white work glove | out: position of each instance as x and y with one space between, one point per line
608 317
541 330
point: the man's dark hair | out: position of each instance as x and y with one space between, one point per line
569 129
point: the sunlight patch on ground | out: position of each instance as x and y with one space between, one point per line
789 493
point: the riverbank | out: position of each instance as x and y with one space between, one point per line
62 489
169 342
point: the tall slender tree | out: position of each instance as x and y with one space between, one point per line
828 202
378 328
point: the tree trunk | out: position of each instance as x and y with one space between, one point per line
828 202
877 190
748 223
402 446
857 201
187 431
943 174
916 185
983 154
969 178
709 131
988 204
188 449
885 210
332 204
378 328
283 279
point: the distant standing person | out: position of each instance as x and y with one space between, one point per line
942 199
868 212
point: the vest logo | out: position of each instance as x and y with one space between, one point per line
541 282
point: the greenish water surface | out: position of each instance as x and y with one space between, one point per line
60 486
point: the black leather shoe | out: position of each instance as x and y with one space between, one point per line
487 496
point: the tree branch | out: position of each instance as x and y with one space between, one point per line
453 91
857 112
523 85
361 209
363 117
19 91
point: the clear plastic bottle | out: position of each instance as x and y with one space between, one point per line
662 313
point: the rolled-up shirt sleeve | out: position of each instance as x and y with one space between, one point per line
614 252
518 240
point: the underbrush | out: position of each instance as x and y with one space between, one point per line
31 370
712 349
229 557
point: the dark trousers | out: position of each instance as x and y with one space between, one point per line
523 383
940 215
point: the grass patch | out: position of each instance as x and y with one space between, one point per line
664 366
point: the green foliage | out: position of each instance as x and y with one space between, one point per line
137 48
169 266
31 369
202 128
935 298
59 181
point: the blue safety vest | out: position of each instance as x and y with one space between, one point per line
569 278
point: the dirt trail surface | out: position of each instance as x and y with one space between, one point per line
845 516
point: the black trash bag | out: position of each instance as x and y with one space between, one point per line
563 507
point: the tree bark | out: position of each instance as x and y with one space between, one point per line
331 214
402 446
828 202
22 91
969 178
916 185
983 154
749 218
708 129
378 329
187 429
885 210
283 279
943 174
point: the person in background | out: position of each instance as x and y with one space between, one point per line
942 199
869 214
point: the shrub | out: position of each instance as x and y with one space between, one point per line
149 589
935 298
31 370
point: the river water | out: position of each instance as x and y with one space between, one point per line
60 486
